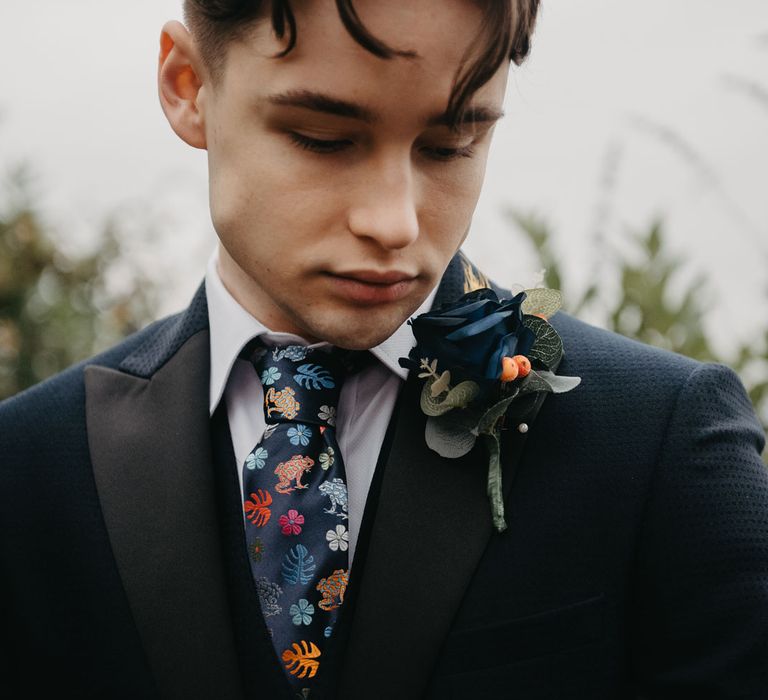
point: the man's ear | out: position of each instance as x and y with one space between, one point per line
179 79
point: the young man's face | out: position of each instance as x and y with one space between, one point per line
337 226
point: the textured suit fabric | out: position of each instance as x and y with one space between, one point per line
635 564
64 618
640 550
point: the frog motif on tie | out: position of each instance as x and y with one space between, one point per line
333 587
292 469
336 490
283 401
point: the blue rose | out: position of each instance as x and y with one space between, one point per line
471 335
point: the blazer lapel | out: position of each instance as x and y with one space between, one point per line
430 527
148 429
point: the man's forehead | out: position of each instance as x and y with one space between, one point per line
328 72
438 32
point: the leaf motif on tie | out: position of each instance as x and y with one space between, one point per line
257 508
298 565
314 377
328 414
302 660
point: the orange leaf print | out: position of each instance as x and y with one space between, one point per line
302 660
257 508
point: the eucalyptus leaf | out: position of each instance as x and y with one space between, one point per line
447 437
548 347
459 397
495 491
468 418
431 405
488 420
441 384
542 301
560 384
532 383
462 394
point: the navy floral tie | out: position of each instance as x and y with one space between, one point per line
296 507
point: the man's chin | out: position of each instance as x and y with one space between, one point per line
363 339
361 331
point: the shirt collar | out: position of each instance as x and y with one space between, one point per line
232 327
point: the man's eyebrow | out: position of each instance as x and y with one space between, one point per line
326 104
320 102
473 115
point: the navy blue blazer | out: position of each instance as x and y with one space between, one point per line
635 564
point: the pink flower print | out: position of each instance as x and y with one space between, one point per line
291 523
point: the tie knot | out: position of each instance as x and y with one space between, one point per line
300 384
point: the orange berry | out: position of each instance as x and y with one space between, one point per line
509 369
523 364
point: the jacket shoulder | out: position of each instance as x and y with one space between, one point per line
606 359
587 346
59 401
632 389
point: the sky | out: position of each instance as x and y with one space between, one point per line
625 111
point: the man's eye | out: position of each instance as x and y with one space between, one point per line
318 145
449 153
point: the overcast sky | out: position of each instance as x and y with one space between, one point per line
664 100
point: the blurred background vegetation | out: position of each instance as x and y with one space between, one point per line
57 307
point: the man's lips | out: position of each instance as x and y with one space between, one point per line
381 277
370 287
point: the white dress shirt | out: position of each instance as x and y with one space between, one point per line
365 405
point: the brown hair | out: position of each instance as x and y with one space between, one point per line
505 33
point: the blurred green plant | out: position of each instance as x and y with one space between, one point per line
646 307
57 308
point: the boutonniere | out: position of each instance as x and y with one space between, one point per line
478 356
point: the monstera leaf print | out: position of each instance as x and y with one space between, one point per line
301 661
314 377
298 565
257 508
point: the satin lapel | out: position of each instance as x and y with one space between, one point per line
431 526
150 448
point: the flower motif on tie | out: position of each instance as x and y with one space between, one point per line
270 376
328 414
302 612
291 523
338 539
299 434
326 458
257 458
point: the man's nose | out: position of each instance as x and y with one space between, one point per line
384 206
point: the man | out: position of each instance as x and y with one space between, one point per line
346 147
